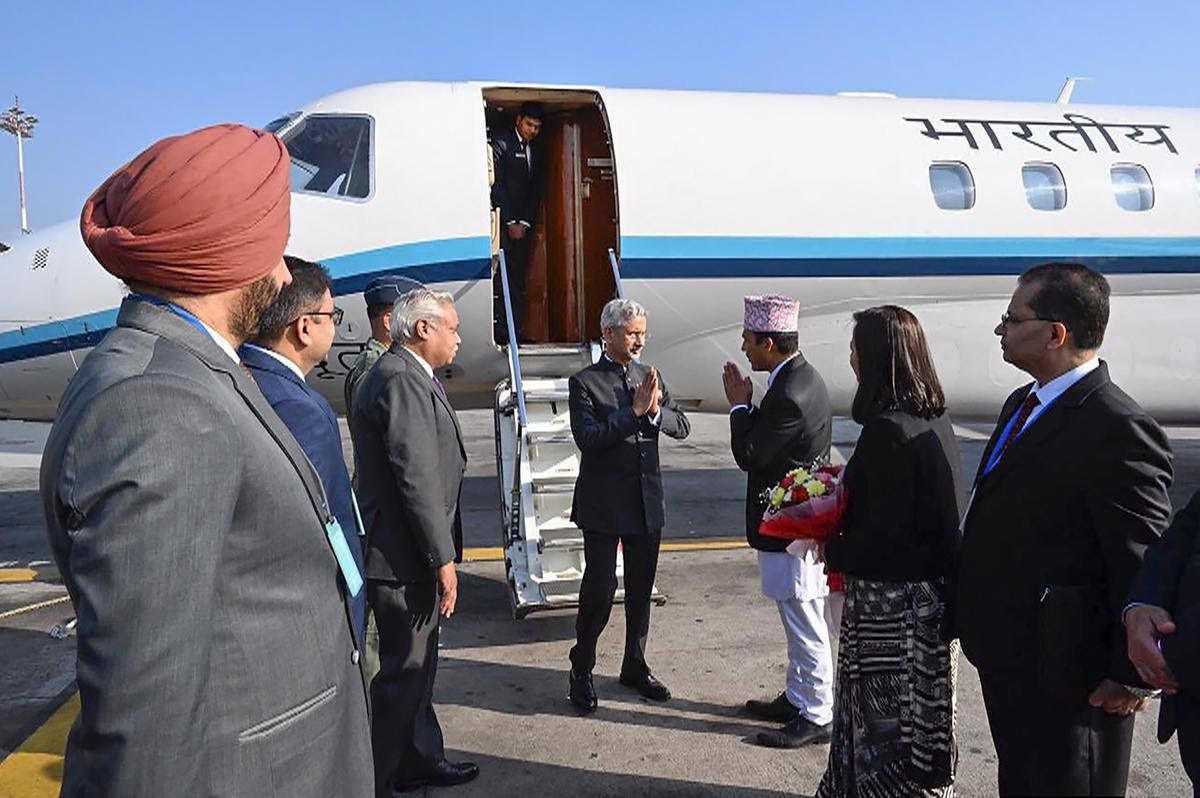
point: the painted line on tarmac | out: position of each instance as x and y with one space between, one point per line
13 576
496 553
32 607
10 576
35 769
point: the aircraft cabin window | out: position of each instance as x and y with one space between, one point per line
331 155
952 185
1132 187
1045 189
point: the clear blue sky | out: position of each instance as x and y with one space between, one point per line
107 79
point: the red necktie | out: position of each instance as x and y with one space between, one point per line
1027 407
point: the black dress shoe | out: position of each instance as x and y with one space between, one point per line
583 693
796 733
648 686
444 774
779 710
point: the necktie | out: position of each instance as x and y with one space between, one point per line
1027 407
440 387
528 156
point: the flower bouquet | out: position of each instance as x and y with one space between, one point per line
805 508
806 504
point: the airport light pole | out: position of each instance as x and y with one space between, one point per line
20 124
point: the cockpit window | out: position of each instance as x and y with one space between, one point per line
276 125
331 155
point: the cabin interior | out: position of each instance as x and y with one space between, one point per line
569 275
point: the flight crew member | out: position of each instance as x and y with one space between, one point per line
412 459
519 168
1071 489
791 427
380 296
294 335
186 521
619 406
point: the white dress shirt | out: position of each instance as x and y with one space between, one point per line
1049 392
428 368
271 353
226 347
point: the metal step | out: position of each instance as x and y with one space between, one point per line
553 360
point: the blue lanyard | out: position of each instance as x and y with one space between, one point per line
180 312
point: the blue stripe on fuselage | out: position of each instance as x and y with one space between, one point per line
701 257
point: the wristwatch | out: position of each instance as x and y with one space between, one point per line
1143 692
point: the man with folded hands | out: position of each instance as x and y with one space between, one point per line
791 426
619 408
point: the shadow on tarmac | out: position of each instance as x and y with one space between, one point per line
519 777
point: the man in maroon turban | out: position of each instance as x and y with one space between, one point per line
216 653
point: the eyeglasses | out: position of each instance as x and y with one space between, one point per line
633 336
334 315
1008 319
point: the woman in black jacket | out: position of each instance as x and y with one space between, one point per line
894 715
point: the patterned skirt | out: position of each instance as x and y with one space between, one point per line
893 719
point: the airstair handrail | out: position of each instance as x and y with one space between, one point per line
514 346
616 270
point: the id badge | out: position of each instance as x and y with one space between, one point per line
341 550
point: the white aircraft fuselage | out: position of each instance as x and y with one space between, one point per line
720 195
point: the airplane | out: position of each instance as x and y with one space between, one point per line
686 201
840 201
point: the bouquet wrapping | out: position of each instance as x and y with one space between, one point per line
806 508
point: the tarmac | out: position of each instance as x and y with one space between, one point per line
501 686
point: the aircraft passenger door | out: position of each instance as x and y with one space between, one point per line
598 220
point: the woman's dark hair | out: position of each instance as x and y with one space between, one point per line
895 369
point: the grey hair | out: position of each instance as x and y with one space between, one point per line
419 304
619 312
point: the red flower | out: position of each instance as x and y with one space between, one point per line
800 494
787 482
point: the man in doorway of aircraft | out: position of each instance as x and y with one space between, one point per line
187 522
790 427
517 192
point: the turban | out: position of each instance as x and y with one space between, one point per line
200 213
771 313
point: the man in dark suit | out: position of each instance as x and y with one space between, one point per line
1162 627
1071 489
791 427
519 169
411 457
294 336
619 406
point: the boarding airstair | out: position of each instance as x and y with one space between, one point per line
537 462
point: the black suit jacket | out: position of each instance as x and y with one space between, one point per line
517 187
1054 536
411 461
1170 578
791 427
619 488
905 486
